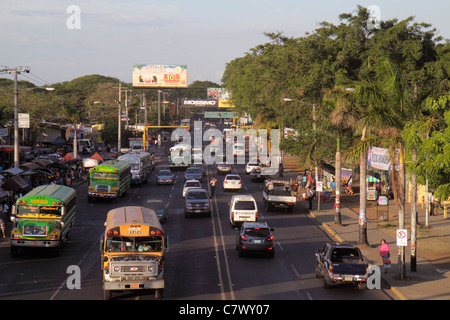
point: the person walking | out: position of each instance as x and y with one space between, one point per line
385 255
212 183
310 193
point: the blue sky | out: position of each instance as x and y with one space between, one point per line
205 35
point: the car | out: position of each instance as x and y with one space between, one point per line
197 155
223 168
193 173
233 182
242 208
197 202
255 175
199 167
252 165
189 184
239 149
163 215
255 237
165 177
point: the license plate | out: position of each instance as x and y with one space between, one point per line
197 210
32 243
258 241
348 278
134 285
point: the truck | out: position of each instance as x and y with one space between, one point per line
136 144
340 264
278 193
180 156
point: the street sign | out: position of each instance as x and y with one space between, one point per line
220 114
402 237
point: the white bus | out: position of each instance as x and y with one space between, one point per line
141 166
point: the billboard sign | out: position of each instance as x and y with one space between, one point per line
159 76
198 103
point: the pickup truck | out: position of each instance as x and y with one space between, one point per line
278 193
341 263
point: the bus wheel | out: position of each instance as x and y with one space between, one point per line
158 294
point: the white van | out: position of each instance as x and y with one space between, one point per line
243 208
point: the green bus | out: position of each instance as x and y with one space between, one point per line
111 179
43 217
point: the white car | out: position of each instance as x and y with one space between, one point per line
191 184
239 149
232 182
252 165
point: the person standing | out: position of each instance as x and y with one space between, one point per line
212 183
385 255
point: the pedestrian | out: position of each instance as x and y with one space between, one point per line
385 255
310 193
2 224
212 183
5 211
431 199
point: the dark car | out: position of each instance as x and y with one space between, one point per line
163 215
256 175
193 173
255 237
165 177
197 202
223 168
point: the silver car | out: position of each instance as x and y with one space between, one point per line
197 202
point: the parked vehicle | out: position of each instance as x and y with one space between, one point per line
242 208
232 182
255 237
341 263
278 193
197 202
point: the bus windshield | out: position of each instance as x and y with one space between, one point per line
104 175
24 209
134 244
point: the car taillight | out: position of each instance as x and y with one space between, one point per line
239 182
330 269
270 238
243 237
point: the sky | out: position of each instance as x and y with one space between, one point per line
62 40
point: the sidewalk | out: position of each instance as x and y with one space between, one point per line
431 281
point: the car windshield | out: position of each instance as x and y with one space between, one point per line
244 205
192 170
196 195
164 173
233 178
257 232
192 184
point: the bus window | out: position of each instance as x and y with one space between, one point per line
104 176
134 244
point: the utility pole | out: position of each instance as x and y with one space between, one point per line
119 140
16 71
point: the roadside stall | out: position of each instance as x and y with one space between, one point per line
371 187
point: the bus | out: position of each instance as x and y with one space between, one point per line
141 166
43 217
132 251
111 179
180 156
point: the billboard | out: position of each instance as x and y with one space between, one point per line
198 103
159 76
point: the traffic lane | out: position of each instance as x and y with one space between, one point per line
191 271
295 233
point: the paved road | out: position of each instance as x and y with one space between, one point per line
202 263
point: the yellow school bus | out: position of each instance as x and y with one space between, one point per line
132 251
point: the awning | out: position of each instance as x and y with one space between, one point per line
69 156
29 166
13 171
43 162
98 157
372 179
14 183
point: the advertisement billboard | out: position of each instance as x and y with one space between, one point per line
159 76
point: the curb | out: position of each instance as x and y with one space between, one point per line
333 233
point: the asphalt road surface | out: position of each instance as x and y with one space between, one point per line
202 263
